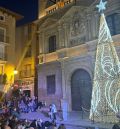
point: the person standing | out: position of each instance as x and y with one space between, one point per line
36 103
50 111
54 112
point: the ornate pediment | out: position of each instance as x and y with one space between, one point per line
71 11
77 24
76 16
48 22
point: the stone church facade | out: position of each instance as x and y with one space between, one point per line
67 46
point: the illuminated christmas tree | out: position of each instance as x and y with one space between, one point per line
105 103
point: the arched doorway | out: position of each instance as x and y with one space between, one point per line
81 90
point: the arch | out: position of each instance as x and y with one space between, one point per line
81 90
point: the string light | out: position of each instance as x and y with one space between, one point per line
106 84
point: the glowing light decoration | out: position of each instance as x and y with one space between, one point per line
105 101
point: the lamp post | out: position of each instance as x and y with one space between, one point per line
15 72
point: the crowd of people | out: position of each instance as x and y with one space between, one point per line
11 109
21 104
11 122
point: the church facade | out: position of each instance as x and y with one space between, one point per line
67 34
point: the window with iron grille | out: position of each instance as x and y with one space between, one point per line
52 43
2 34
113 21
51 85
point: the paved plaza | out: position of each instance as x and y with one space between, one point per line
75 120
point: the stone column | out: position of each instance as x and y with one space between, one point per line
64 102
63 78
64 105
61 38
40 44
65 26
41 48
93 26
96 24
89 27
43 42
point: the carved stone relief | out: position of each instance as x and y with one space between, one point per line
77 30
77 41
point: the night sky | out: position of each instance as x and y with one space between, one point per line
27 8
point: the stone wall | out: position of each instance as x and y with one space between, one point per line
44 70
77 32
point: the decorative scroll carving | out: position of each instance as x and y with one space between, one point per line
77 30
78 26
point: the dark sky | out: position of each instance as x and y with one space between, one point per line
27 8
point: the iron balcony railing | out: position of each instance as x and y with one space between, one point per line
4 39
27 73
3 56
57 6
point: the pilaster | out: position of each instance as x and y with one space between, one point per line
61 38
40 43
65 26
89 27
63 78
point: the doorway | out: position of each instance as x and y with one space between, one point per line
81 90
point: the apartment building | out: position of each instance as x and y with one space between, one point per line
7 48
26 36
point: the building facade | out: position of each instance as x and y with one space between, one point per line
26 58
68 32
7 48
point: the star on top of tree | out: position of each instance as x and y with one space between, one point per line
101 6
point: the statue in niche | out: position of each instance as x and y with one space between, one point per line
78 26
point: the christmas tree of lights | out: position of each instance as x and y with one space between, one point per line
105 103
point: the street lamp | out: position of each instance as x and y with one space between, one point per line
15 72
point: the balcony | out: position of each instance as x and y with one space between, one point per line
3 56
27 73
3 79
64 53
4 39
49 57
57 6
